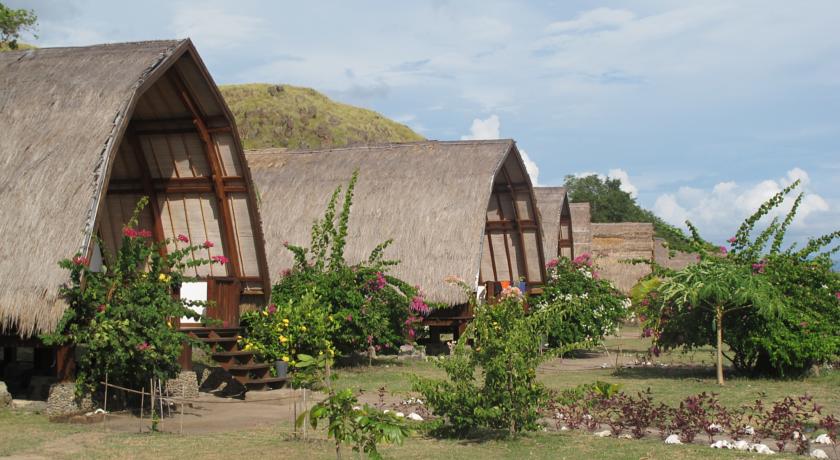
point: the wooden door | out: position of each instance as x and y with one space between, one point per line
224 294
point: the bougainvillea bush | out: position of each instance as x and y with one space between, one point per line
598 307
779 309
124 316
366 307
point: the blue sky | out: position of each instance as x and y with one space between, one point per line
702 108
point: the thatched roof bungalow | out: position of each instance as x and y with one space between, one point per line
84 133
614 244
581 228
463 208
556 221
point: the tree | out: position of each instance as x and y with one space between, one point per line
13 23
608 203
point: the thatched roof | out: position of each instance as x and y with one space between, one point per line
431 198
581 228
62 114
679 260
613 244
550 201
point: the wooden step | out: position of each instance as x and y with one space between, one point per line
228 354
268 382
248 367
218 339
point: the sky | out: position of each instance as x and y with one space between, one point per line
702 109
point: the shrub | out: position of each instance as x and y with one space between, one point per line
297 326
368 308
506 353
124 316
598 308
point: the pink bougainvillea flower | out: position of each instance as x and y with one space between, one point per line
418 305
143 346
583 259
272 309
732 240
79 260
208 244
723 250
183 238
837 294
596 275
349 318
144 234
655 351
552 263
220 259
370 339
286 244
380 280
101 308
130 232
411 333
286 272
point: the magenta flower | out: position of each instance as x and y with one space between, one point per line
183 238
647 332
208 244
349 318
379 282
837 294
418 305
272 309
220 259
732 240
144 234
655 351
101 308
286 272
130 232
723 250
143 346
370 339
552 263
759 267
583 259
596 275
411 333
79 260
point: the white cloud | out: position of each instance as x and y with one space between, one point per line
484 129
626 185
720 210
593 19
531 167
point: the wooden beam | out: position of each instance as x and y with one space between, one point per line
217 172
507 249
492 256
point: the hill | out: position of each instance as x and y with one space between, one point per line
302 118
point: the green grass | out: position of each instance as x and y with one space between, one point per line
302 118
40 437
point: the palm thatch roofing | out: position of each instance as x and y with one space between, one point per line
63 112
614 244
550 202
581 228
430 197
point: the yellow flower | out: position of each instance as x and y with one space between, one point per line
169 324
286 359
264 313
303 328
164 278
285 320
283 339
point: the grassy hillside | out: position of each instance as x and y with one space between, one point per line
302 118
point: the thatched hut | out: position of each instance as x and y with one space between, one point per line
556 221
463 208
84 133
615 244
581 228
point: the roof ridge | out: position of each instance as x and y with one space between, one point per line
380 146
104 45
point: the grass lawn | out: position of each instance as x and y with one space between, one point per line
33 436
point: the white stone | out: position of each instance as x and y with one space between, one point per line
749 430
722 444
357 407
603 434
742 445
564 428
399 414
818 453
715 427
823 439
761 449
386 411
673 439
415 416
625 436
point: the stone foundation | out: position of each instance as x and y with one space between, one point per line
62 401
183 386
5 396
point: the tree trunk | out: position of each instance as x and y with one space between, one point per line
719 319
